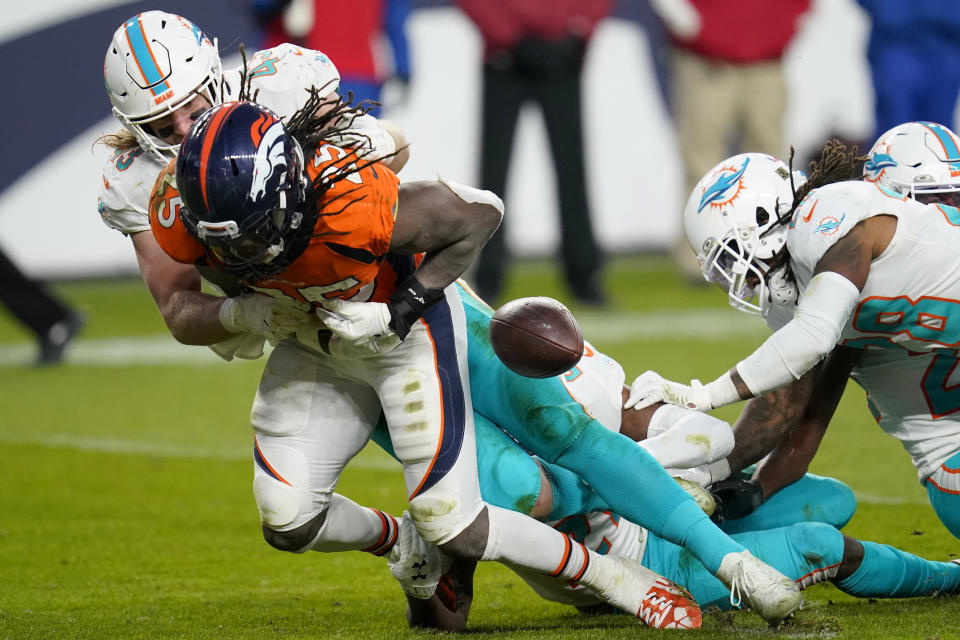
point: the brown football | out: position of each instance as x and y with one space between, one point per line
536 337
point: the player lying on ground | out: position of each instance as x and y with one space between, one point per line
808 552
867 259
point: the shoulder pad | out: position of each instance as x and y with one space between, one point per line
282 77
124 191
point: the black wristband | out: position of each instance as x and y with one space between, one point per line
408 303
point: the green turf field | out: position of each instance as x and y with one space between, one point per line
127 510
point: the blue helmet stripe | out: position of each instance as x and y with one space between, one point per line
143 56
949 144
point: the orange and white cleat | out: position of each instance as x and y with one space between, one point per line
669 606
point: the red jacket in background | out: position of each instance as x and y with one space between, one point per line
744 31
502 23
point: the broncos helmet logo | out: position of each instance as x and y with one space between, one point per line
721 185
269 158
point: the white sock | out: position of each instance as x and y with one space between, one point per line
350 527
521 541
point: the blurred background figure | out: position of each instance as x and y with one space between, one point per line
365 38
914 56
51 320
729 92
534 52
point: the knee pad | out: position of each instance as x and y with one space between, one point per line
280 485
296 540
437 519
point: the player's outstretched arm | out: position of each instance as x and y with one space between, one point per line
823 310
790 461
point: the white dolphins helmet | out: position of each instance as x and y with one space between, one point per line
156 63
732 220
917 159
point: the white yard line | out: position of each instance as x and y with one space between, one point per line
123 446
692 324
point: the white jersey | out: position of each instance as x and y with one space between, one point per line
908 315
595 383
912 295
915 397
280 79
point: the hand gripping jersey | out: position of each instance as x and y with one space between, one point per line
280 78
908 315
347 255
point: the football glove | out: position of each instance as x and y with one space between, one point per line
261 315
415 563
358 329
650 387
735 498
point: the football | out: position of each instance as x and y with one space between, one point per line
536 337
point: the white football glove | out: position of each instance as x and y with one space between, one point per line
650 387
415 563
700 495
360 329
261 315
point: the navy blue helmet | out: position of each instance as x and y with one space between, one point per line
241 179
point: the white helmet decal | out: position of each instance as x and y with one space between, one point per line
270 156
716 193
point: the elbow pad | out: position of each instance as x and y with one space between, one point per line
680 438
822 312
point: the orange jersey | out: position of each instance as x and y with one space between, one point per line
348 254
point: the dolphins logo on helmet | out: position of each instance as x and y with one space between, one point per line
716 193
920 160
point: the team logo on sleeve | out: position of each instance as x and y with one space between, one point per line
725 187
829 225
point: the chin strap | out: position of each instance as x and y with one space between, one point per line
408 303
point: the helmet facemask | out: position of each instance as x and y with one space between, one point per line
160 149
731 262
735 220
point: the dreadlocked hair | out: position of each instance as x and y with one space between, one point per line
838 162
325 118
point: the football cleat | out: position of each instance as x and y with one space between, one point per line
656 601
415 563
669 606
771 594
